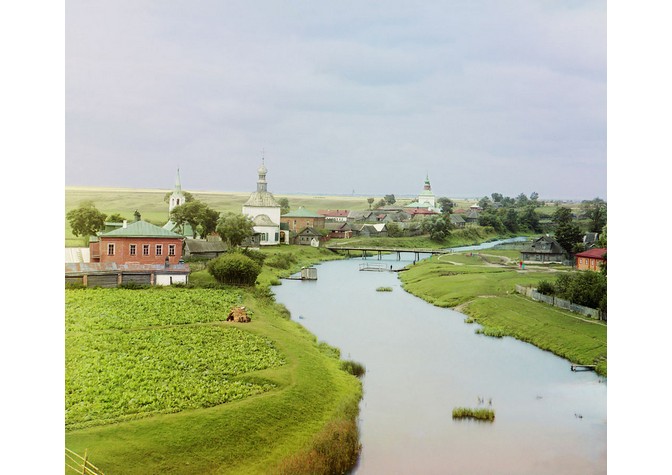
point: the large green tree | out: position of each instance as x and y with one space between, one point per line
235 228
438 227
284 205
86 220
530 219
197 214
446 205
596 212
567 232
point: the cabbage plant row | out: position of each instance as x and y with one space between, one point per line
133 353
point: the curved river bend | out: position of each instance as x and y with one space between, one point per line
422 361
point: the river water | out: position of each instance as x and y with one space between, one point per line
422 361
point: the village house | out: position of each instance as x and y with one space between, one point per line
338 230
457 221
139 253
139 242
544 249
334 215
308 237
592 259
302 218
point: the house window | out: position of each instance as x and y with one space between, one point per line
145 249
132 250
171 249
110 249
159 249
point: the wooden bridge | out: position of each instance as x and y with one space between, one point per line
368 251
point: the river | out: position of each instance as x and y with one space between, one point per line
422 361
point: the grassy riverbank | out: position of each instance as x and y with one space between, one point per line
483 287
278 401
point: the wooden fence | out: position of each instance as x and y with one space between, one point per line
561 303
75 463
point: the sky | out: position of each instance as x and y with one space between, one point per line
339 98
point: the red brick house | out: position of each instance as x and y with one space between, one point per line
302 218
139 242
592 259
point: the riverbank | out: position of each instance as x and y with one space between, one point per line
482 286
302 421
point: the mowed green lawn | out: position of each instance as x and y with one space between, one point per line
167 350
453 279
486 293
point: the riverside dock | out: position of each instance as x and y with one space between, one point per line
377 267
583 367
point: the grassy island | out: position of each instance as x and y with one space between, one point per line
478 414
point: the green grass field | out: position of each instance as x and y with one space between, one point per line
124 353
483 287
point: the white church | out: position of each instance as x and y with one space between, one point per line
264 211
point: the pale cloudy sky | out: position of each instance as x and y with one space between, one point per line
505 96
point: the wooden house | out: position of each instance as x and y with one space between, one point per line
544 249
308 237
338 230
592 259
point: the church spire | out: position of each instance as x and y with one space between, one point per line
177 197
262 184
178 184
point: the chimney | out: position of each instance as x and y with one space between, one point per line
125 225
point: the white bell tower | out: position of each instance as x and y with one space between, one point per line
177 198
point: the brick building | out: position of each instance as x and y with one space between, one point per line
301 218
592 259
139 242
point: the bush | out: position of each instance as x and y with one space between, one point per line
234 268
353 367
256 256
585 288
546 288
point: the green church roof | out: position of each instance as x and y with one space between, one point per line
141 229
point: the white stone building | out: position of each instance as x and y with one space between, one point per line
264 211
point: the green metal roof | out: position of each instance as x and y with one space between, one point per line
302 212
141 229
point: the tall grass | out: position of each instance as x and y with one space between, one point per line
478 414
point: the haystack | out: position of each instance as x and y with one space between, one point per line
238 314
